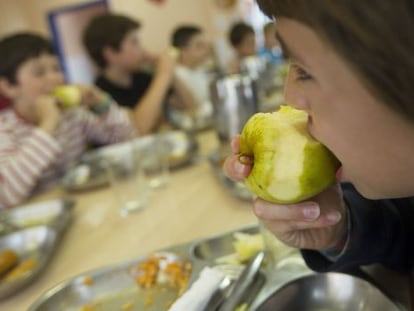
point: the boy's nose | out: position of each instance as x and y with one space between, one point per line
56 79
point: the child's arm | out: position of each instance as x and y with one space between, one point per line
184 99
149 108
107 123
26 151
23 161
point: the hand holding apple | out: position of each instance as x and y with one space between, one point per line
92 96
317 223
74 95
48 113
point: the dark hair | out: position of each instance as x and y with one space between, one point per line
375 40
183 34
238 32
108 30
19 48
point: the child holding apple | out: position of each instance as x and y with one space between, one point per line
113 44
38 139
359 98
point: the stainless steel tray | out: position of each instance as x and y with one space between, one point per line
37 244
113 288
236 188
90 173
53 213
184 120
85 176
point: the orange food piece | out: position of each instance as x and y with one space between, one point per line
8 259
23 267
148 272
87 280
178 274
87 308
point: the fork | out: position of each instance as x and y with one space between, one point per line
231 271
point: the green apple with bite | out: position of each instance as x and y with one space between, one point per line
289 165
69 96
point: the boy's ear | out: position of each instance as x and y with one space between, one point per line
109 54
8 89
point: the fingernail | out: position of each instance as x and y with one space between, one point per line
311 212
333 217
245 160
239 168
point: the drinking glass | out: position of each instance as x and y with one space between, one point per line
127 179
154 160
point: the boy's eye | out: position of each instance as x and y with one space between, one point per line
301 74
56 68
39 71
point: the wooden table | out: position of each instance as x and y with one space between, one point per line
195 204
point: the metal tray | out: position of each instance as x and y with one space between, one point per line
35 243
111 288
184 121
90 173
238 189
85 176
53 213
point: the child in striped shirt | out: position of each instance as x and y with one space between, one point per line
38 139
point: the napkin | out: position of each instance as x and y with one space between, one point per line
198 295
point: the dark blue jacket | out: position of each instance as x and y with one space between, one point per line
382 232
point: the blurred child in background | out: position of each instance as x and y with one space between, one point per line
38 140
243 39
271 50
194 50
112 42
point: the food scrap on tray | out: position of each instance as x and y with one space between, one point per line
12 267
245 245
159 271
8 259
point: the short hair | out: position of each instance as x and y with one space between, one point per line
183 34
238 32
18 48
107 30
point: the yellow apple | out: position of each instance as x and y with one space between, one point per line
174 52
289 164
68 95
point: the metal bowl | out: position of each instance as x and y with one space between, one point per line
53 213
330 291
